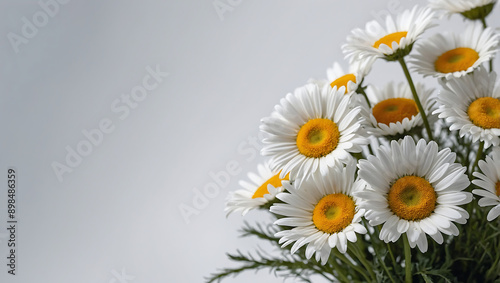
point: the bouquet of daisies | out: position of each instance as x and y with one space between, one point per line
386 183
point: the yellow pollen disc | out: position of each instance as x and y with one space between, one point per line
394 110
497 186
318 137
412 198
333 213
390 38
484 112
455 60
275 181
342 81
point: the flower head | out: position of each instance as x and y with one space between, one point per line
350 80
489 182
312 130
471 104
414 189
261 189
471 9
393 110
324 213
391 42
454 55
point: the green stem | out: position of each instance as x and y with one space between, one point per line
324 271
362 91
391 255
483 20
362 259
408 275
415 97
478 156
343 258
340 271
378 255
385 268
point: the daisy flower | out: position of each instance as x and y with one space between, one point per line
350 80
324 213
312 130
391 42
471 104
471 9
489 182
393 110
414 189
454 55
261 189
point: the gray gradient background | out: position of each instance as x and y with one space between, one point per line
120 207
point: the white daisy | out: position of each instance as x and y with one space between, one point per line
454 55
323 212
261 189
391 42
393 110
350 80
311 130
489 182
471 104
472 9
414 189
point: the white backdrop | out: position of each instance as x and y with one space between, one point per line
103 175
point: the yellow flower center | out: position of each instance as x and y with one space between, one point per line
455 60
318 137
342 81
412 198
484 112
394 110
497 186
333 213
275 181
390 38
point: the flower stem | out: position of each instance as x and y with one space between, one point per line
361 90
408 275
391 255
340 272
415 97
343 258
478 156
359 254
483 20
377 253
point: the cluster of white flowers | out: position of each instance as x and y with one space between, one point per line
319 182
